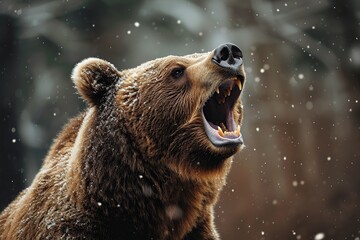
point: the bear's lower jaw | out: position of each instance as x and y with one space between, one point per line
220 137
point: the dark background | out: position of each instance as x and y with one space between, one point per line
298 177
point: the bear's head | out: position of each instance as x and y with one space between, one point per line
182 112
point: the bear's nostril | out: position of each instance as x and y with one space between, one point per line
224 54
236 52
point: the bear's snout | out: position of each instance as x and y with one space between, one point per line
228 56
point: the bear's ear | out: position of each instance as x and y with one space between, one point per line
94 78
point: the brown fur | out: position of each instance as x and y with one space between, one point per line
136 164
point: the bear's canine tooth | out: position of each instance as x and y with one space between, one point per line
223 127
220 131
238 82
217 90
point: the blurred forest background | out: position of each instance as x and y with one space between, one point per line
298 177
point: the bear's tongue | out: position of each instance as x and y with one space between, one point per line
218 115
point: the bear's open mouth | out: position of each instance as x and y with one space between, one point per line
218 114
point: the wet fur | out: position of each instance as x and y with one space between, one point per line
135 165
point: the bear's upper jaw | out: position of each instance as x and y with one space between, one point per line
218 114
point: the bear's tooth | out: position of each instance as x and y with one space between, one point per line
238 130
222 125
220 131
228 133
217 91
238 82
235 133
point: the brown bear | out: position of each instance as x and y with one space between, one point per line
148 157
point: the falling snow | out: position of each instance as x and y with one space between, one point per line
319 236
295 183
309 105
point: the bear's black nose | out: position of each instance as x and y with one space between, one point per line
228 56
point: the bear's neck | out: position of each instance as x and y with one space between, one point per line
111 165
111 178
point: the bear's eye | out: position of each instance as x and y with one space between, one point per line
177 72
